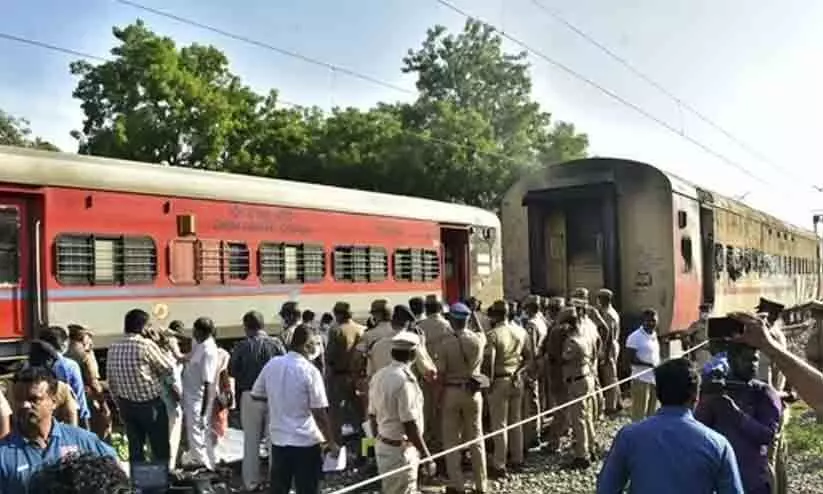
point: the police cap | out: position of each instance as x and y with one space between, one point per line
405 340
379 306
460 311
342 308
499 307
582 293
770 306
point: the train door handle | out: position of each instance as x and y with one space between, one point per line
38 281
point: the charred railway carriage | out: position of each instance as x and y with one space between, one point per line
655 239
85 239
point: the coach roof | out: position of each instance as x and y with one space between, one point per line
45 168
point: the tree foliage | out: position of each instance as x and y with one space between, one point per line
472 130
16 132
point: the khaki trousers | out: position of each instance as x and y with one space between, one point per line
581 417
392 457
608 376
505 405
432 417
531 407
644 400
462 412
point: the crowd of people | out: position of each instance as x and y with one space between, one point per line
416 380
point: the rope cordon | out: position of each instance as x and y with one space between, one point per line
464 445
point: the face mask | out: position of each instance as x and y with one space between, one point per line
315 352
64 348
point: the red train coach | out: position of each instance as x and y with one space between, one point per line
656 240
84 239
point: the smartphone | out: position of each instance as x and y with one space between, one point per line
724 328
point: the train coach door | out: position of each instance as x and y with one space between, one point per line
708 254
455 251
16 288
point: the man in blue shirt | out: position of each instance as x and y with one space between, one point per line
68 371
671 451
37 439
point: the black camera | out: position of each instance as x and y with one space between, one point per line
724 328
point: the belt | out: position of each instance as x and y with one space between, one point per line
575 379
502 376
397 443
464 386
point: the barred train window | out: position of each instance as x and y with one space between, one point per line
9 245
416 265
239 260
361 263
290 263
105 260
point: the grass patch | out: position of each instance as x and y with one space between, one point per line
804 435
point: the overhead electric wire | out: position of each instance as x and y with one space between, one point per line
607 92
417 135
374 80
657 85
283 51
350 72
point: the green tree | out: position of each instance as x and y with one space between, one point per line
16 132
468 77
154 102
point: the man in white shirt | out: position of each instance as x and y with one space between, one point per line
199 391
299 424
643 350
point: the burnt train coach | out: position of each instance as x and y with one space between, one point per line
654 239
83 240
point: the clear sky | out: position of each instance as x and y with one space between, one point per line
752 67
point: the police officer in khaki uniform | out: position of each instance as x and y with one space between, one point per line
402 319
396 416
553 362
698 333
593 325
435 329
381 317
343 369
536 331
611 350
578 354
458 365
507 353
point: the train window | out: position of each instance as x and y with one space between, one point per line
378 264
139 260
314 262
353 263
239 260
686 253
719 258
209 261
90 260
104 261
416 265
9 246
431 265
290 263
681 219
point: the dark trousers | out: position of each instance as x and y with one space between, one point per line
303 465
146 420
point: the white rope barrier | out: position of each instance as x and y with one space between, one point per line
484 437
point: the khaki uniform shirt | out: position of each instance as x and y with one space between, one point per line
368 341
537 331
506 348
435 329
578 355
380 356
340 349
611 344
394 399
460 357
590 330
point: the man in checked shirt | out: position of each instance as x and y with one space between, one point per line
136 369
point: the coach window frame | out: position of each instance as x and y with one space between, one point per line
354 263
230 260
286 271
120 275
